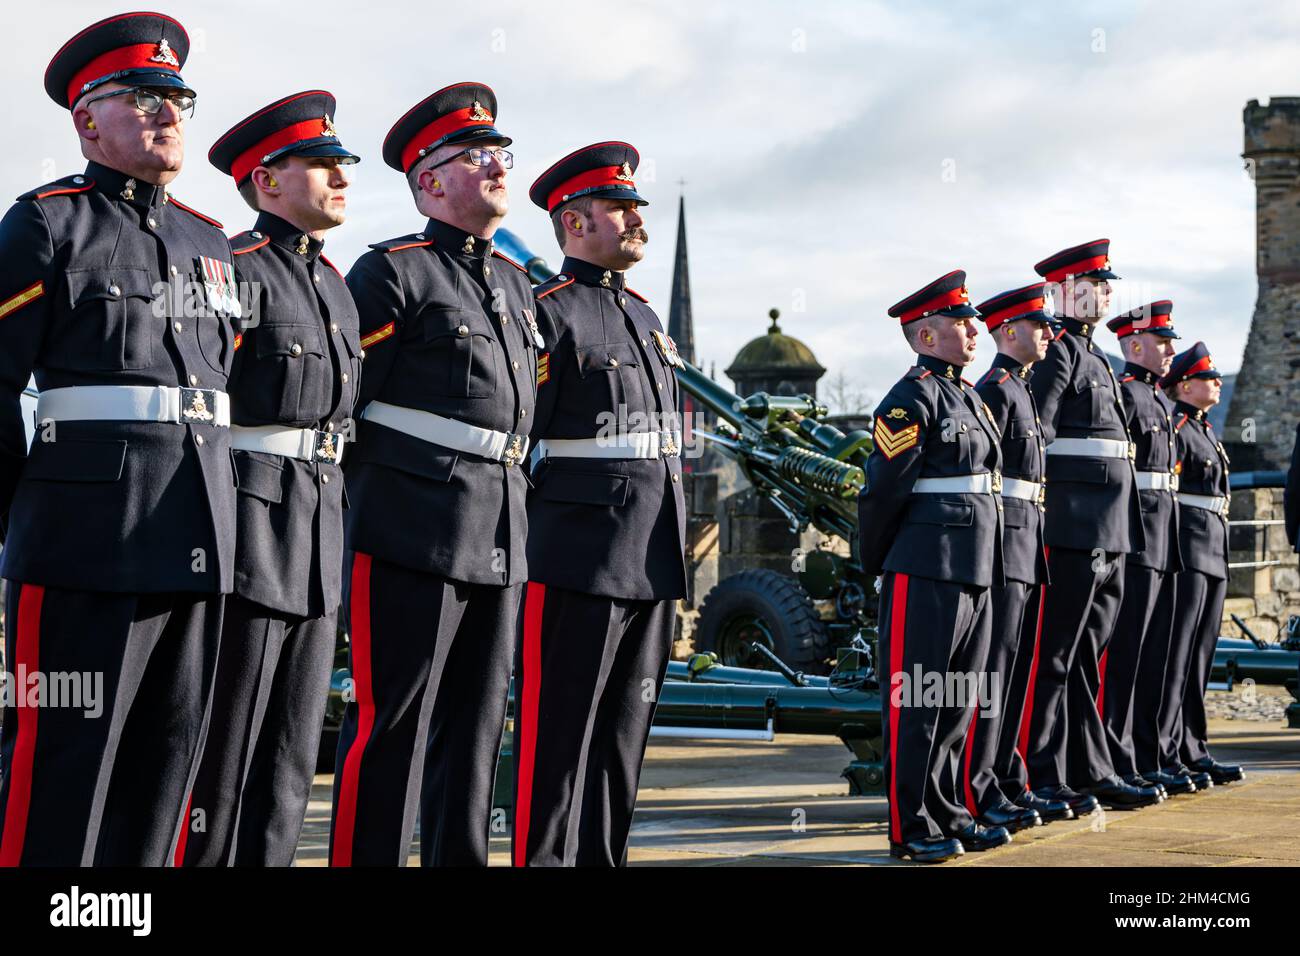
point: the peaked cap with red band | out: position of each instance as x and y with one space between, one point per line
461 113
1156 317
1090 260
946 295
147 49
603 169
1024 303
1194 363
298 125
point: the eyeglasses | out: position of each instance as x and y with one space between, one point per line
147 101
481 156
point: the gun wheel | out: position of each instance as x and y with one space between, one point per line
768 607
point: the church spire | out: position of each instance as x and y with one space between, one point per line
680 325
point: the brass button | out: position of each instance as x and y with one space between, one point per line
487 270
963 426
194 380
173 270
295 349
177 326
152 222
505 319
622 300
462 330
334 326
514 365
345 377
660 384
329 426
324 479
674 479
198 439
362 356
316 277
523 412
114 289
613 363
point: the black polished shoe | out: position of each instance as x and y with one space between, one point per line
977 838
1114 794
1173 783
1220 773
1081 804
1048 810
932 850
1202 779
1007 814
1137 780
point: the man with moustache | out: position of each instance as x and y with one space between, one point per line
120 521
291 391
606 524
436 524
995 782
1194 384
930 521
1093 521
1132 666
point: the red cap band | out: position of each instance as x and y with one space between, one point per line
588 179
956 296
994 319
138 56
1163 321
1201 365
251 158
1078 268
442 126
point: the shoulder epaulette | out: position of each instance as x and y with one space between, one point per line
404 242
60 187
635 293
551 284
1181 421
244 242
331 265
193 212
917 372
501 255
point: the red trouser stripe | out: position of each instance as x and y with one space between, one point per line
178 858
970 748
27 659
1101 684
1026 718
897 630
529 697
345 817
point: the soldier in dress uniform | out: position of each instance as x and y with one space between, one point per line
291 391
606 524
436 525
120 521
931 522
996 784
1194 384
1132 666
1093 522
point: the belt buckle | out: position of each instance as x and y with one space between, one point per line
1042 493
327 446
514 450
199 404
1132 451
1173 483
668 447
996 483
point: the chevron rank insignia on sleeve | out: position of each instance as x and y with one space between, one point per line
891 443
543 368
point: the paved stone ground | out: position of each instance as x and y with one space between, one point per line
705 803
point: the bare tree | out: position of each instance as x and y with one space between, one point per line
843 395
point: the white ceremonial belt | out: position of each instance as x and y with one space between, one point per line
305 444
504 447
1216 503
1156 481
628 445
1019 488
984 484
1091 447
134 403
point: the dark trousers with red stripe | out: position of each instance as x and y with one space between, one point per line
250 796
1197 616
587 676
1067 742
430 660
928 628
995 771
103 780
1144 588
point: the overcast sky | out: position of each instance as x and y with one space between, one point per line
836 154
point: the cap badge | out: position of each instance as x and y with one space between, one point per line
128 189
624 173
165 54
327 127
477 112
